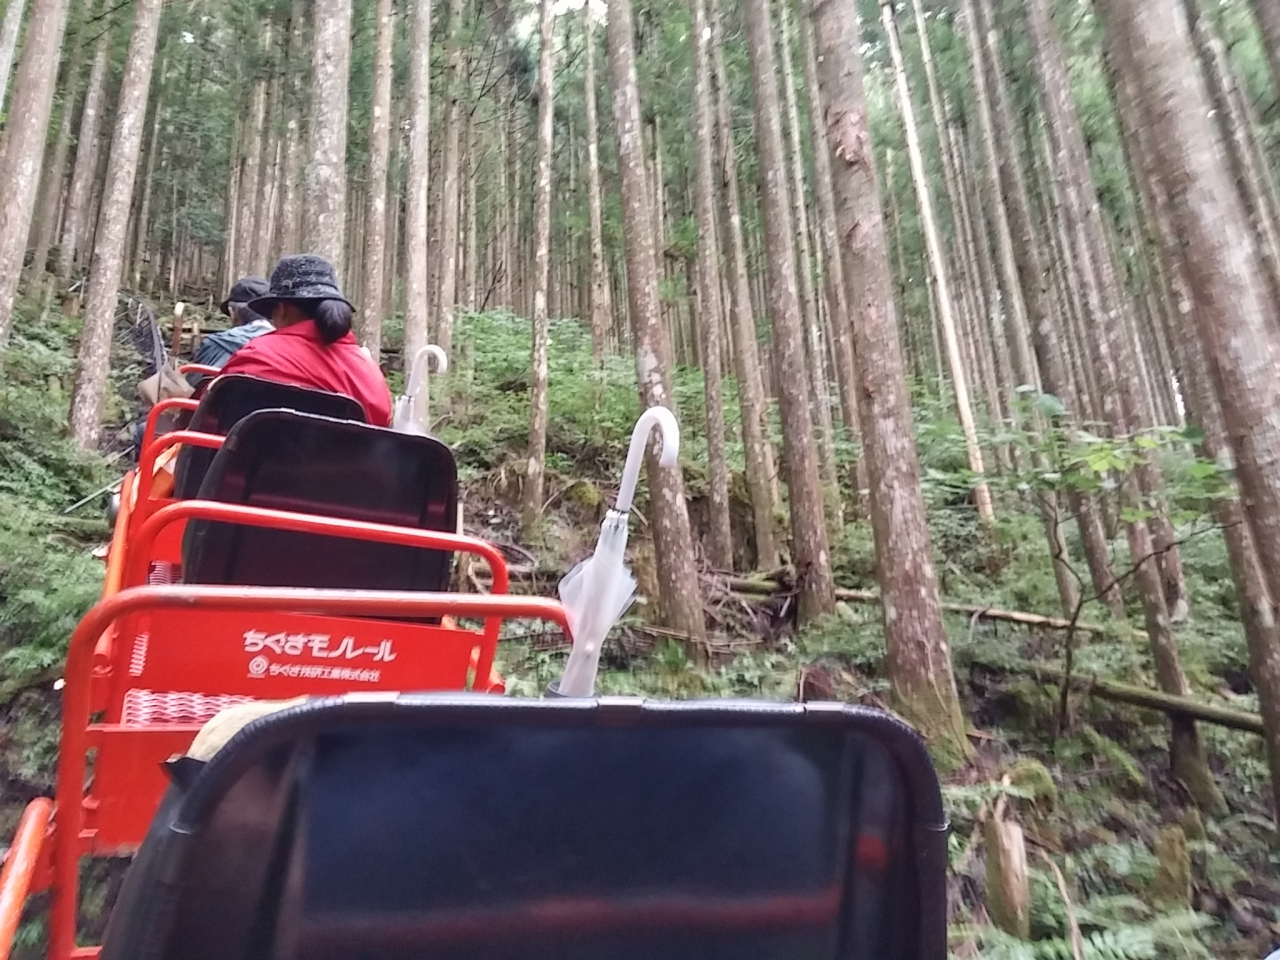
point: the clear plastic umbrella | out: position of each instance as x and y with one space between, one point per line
412 413
598 591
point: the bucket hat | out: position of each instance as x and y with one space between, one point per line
245 290
302 276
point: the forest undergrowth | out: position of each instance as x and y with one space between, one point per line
1120 865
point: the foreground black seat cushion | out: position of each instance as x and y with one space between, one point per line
465 826
292 461
233 397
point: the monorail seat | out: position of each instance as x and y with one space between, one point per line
302 463
463 826
231 398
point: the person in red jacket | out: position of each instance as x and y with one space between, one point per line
312 345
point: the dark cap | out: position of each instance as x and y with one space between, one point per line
302 276
245 289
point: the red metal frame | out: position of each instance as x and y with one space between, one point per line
203 369
71 839
20 868
164 406
141 547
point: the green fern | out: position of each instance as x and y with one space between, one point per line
1163 936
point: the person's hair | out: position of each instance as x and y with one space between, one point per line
332 317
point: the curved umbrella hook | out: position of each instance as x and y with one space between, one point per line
665 421
420 364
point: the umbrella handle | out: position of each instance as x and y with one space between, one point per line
665 421
417 386
420 365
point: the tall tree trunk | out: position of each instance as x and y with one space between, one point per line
811 554
375 245
534 483
819 398
919 662
9 43
93 360
471 174
454 92
601 305
269 180
933 242
22 145
53 179
148 185
679 596
249 222
419 168
85 169
1251 179
837 304
289 234
1150 46
1112 356
720 539
999 182
1257 610
325 200
758 451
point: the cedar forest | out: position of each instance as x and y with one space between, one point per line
969 310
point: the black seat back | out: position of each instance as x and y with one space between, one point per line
233 397
466 826
285 460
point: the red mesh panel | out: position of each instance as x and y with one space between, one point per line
146 707
163 574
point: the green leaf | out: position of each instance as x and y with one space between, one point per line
1192 433
1049 405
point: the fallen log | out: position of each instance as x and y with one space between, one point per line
761 587
1088 685
767 587
1136 696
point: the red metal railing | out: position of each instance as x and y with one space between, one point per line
67 841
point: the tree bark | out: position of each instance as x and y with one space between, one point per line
679 597
1257 610
85 168
600 304
148 185
249 221
534 482
999 183
1249 178
419 167
720 537
808 526
23 142
375 245
933 243
819 397
1150 46
94 357
454 92
9 43
1112 356
919 662
837 304
53 180
758 451
325 199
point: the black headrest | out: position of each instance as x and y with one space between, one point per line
231 398
455 826
335 468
